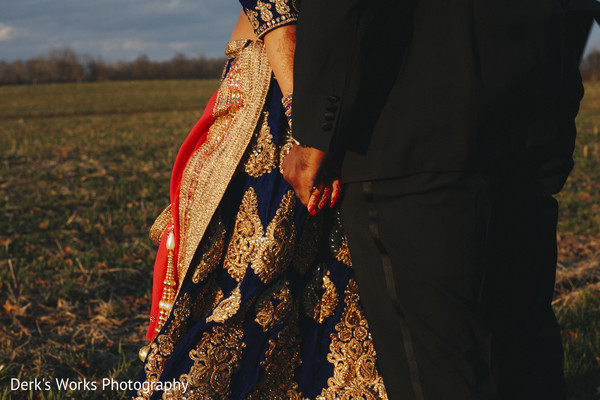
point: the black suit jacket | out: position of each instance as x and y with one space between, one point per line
410 86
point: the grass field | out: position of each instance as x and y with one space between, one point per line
84 171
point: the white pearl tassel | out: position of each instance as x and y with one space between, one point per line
171 241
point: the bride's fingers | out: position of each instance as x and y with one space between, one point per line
325 198
312 201
336 190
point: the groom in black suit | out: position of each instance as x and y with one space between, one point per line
453 125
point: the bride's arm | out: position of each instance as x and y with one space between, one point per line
280 45
278 31
275 23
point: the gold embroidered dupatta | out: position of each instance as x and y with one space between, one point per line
236 112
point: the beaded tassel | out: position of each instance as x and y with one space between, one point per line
168 296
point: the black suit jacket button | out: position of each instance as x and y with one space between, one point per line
327 126
333 99
331 108
329 116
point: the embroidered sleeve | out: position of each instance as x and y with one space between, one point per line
267 15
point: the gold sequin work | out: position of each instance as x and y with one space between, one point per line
264 9
245 238
280 363
211 329
236 113
160 225
338 242
308 244
355 375
343 253
164 345
316 305
216 357
227 307
281 6
276 247
263 153
273 305
285 12
252 17
211 249
286 146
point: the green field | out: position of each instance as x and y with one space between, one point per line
84 171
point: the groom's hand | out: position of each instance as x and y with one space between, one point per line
313 176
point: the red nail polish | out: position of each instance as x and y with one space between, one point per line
334 200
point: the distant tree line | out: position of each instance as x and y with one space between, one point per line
64 65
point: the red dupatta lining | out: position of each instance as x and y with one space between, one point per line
194 140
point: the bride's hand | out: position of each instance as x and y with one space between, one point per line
314 177
324 195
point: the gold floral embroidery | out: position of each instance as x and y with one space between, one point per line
280 363
273 305
338 242
263 155
316 306
185 312
227 308
308 244
264 9
216 357
164 345
211 249
353 357
286 11
343 253
276 248
281 6
246 233
252 17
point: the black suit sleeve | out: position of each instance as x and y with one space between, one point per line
348 53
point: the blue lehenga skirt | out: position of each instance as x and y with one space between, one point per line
269 308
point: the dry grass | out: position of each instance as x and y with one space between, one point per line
577 294
578 269
84 170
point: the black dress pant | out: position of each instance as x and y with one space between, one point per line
456 283
526 347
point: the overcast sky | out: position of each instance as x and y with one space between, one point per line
122 29
116 29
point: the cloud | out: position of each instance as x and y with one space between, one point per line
179 46
120 45
117 29
135 45
6 32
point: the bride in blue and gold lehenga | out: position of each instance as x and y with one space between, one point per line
254 297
